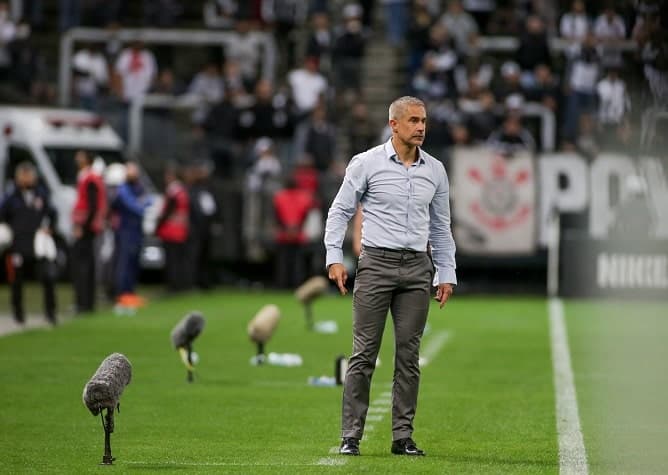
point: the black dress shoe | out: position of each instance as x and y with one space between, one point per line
406 447
350 446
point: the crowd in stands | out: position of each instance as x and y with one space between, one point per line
263 113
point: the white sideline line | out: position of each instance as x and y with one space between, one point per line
572 454
433 347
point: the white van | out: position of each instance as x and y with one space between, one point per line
49 138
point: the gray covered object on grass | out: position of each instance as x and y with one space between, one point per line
105 387
187 330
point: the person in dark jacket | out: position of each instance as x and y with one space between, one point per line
88 219
128 209
203 210
26 209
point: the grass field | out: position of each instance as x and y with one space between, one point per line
487 398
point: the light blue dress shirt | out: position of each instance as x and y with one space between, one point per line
403 208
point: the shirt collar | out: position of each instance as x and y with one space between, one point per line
391 154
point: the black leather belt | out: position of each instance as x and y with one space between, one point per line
395 253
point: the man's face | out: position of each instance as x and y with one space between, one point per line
26 179
80 159
131 172
411 125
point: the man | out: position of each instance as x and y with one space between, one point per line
27 211
88 219
203 210
128 208
173 228
292 204
403 192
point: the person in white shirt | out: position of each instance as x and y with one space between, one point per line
91 75
614 105
610 31
137 69
307 86
574 26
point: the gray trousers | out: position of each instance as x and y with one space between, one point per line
399 281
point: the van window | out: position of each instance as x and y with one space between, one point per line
66 167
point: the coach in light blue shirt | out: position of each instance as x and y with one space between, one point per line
404 195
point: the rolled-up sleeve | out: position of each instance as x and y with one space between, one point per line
440 234
342 209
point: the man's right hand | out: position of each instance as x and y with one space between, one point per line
338 274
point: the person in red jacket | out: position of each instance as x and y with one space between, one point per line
88 219
172 229
292 205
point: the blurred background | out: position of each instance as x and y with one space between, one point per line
538 109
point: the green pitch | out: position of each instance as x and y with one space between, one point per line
487 399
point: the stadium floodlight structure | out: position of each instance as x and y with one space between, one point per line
262 327
183 335
308 292
103 391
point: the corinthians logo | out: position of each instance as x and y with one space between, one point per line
500 205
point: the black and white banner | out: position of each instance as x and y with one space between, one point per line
613 268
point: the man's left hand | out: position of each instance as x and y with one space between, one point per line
443 293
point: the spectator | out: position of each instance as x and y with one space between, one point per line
477 109
168 84
27 211
418 35
208 87
285 16
474 69
7 35
292 206
614 105
505 20
268 115
88 221
509 82
91 73
584 72
233 80
435 81
511 138
574 26
222 128
246 46
461 25
317 138
262 180
348 51
481 11
137 68
533 49
396 16
128 207
320 41
362 133
220 13
545 88
173 227
610 32
203 210
307 86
